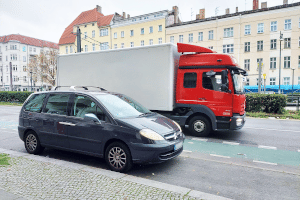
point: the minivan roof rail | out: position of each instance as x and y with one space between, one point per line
75 87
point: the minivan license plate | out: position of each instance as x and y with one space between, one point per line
178 146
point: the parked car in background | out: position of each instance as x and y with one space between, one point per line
99 123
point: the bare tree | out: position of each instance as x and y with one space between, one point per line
43 67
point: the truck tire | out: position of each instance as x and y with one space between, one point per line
200 126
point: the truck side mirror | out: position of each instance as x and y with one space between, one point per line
224 77
224 88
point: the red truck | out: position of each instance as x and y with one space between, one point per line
200 89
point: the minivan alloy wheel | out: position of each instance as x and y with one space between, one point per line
31 142
117 157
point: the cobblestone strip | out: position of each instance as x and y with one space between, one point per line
32 177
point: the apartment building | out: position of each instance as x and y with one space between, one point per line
250 36
15 54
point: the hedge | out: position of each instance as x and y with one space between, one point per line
269 103
12 96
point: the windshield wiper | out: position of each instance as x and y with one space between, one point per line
144 114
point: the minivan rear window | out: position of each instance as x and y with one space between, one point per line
35 103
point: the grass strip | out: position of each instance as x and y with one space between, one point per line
4 159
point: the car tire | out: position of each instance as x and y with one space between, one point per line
118 157
200 126
32 143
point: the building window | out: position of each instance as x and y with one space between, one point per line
115 35
122 45
71 49
272 81
247 64
30 49
260 28
115 46
211 35
287 43
260 45
93 33
85 35
159 28
247 29
13 57
104 32
0 58
247 46
24 58
211 47
298 80
191 37
67 50
273 44
86 48
142 31
131 33
142 43
13 47
104 46
151 42
287 24
131 44
273 63
200 36
247 81
299 42
94 47
159 40
181 38
274 26
299 23
34 49
286 80
298 61
261 81
25 78
287 62
122 34
172 39
228 32
151 29
228 48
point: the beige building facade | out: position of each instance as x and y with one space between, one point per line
250 36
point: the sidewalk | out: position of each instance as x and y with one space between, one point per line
35 177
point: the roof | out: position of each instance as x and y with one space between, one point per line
236 14
85 17
28 40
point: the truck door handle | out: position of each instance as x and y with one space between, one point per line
67 123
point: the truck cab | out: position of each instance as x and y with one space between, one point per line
209 91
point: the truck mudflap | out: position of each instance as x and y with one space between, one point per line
237 121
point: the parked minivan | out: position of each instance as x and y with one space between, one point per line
100 123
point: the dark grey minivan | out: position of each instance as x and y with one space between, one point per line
99 123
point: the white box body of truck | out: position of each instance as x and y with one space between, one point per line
147 74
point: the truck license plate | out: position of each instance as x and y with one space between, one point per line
178 146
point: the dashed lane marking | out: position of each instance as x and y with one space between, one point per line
187 151
266 147
267 129
231 143
198 139
262 162
219 156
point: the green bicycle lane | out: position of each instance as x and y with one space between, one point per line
271 156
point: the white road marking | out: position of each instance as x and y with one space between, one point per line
219 156
299 150
262 162
191 142
266 147
231 143
267 129
198 139
187 151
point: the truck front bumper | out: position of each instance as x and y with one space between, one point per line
237 121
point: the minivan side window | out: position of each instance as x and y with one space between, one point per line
35 103
57 104
84 105
190 80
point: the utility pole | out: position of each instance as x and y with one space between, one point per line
78 40
10 75
31 79
259 76
293 85
280 38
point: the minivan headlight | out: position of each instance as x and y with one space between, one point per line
152 135
179 127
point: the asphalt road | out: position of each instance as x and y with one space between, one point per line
260 161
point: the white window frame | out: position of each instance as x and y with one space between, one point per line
94 47
228 48
115 35
260 28
159 40
103 32
151 29
260 45
159 28
122 34
286 80
200 36
287 24
228 32
93 33
86 48
131 44
211 35
191 37
85 35
151 42
104 46
287 62
115 46
247 47
180 38
247 29
287 43
142 31
172 39
122 45
272 80
273 26
142 43
273 63
71 49
131 33
247 64
273 44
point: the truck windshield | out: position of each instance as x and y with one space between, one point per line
238 83
121 106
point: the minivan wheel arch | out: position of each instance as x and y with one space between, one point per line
108 142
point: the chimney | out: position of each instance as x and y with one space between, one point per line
175 11
227 11
202 13
255 4
124 15
236 9
264 5
99 9
285 2
128 16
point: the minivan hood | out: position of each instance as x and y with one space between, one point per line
155 122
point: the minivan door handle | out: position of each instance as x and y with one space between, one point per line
67 123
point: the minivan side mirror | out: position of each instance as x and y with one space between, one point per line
91 117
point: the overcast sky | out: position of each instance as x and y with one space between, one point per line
47 19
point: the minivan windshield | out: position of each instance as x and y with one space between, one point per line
121 106
238 83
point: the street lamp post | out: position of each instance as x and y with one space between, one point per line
31 79
280 38
293 85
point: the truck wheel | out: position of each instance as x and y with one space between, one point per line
199 126
32 143
118 157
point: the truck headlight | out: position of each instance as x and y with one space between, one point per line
152 135
178 126
239 122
